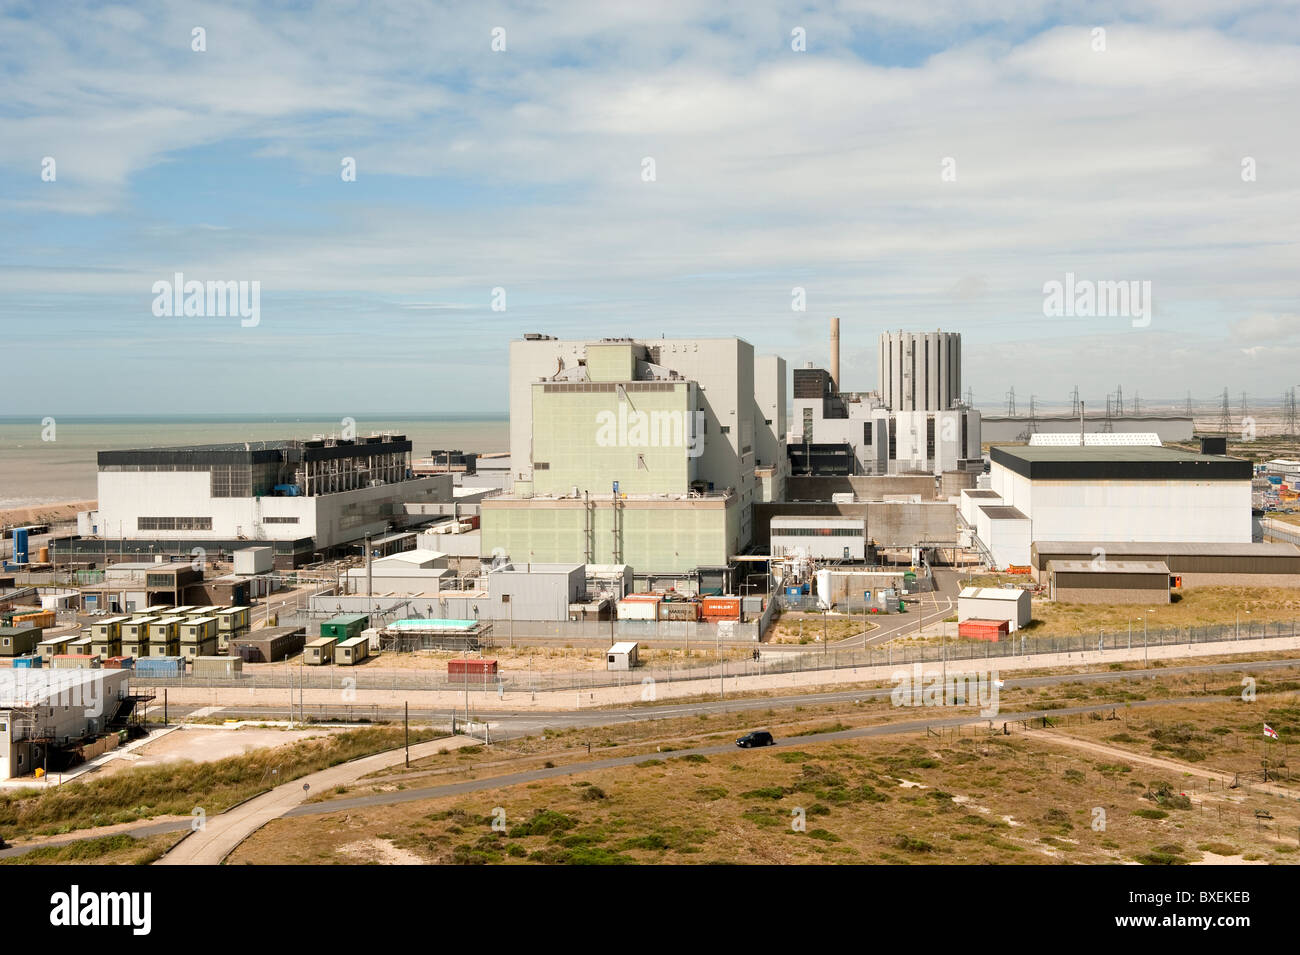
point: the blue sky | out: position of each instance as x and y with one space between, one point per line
522 169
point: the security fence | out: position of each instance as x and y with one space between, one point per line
826 658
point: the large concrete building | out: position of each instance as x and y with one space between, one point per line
641 452
43 711
297 496
1122 493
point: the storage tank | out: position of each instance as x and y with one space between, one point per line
825 597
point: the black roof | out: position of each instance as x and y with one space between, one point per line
1106 462
256 452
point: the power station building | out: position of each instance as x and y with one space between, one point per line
650 453
915 423
1107 493
299 497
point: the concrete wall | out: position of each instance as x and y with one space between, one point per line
1170 511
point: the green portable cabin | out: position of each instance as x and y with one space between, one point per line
345 626
19 641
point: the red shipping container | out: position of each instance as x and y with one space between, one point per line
977 629
471 670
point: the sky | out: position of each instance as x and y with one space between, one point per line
641 169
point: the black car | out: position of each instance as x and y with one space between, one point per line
756 738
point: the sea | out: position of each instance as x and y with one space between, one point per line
47 461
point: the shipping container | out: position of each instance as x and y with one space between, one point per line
720 608
978 629
219 667
33 661
119 663
471 671
76 661
165 667
679 610
37 618
351 652
319 651
345 626
639 607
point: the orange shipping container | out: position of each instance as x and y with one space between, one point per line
720 608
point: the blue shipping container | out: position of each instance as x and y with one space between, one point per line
31 662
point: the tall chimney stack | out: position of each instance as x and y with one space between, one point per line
835 352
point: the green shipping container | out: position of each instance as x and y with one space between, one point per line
345 626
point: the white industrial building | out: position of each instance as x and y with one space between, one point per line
914 422
299 496
410 572
995 603
822 538
42 709
1121 493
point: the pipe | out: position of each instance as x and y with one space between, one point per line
835 353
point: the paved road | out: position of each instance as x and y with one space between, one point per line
534 722
528 722
571 769
223 832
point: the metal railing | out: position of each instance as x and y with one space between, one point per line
827 658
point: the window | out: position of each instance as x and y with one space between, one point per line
767 421
725 429
963 436
174 524
541 465
893 438
929 437
279 520
866 432
807 424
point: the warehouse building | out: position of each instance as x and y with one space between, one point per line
1190 563
1108 582
1000 428
297 497
1124 493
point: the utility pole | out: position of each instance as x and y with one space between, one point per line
406 725
1011 403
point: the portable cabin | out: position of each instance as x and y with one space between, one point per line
19 641
319 651
345 626
351 652
51 647
233 618
198 637
165 637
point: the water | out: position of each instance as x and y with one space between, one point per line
36 471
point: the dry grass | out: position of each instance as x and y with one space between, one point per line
106 850
808 628
1193 607
907 799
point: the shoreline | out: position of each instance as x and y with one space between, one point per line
61 512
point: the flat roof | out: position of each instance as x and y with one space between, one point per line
1002 512
980 492
1103 462
1109 566
24 688
1178 548
992 593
